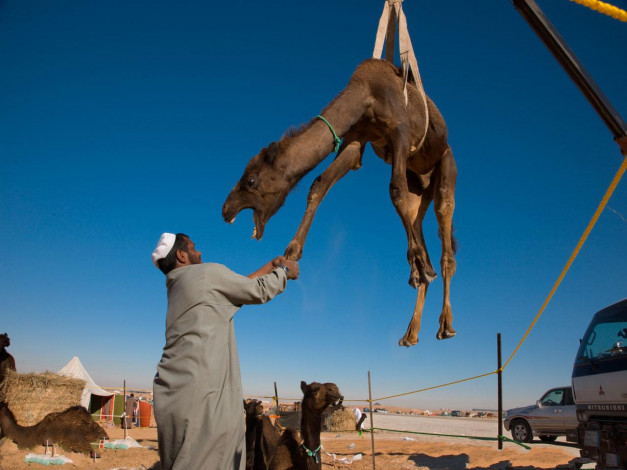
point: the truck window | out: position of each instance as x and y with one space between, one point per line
553 398
604 340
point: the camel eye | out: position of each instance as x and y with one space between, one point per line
251 183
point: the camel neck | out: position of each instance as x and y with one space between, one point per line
8 424
307 149
310 428
313 144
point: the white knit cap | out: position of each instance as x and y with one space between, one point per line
164 245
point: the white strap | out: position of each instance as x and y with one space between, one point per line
387 31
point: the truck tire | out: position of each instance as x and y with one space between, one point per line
547 438
521 431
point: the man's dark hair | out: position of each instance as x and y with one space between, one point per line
168 263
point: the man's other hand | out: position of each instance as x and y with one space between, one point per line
292 266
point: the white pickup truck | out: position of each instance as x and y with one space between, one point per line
553 415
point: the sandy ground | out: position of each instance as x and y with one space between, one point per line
392 450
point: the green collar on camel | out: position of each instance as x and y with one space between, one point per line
336 139
313 453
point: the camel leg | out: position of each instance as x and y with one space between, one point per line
411 335
422 198
444 205
348 158
399 193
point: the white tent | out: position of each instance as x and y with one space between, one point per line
75 369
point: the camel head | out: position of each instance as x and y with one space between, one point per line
5 341
253 409
263 188
317 397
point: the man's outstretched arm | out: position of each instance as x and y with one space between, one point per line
292 268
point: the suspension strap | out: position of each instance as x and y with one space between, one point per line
393 14
336 139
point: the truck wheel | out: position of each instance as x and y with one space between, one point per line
521 431
547 438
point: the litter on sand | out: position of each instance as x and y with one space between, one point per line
409 439
344 460
349 460
45 459
122 443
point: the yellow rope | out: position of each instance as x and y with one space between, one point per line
583 238
605 8
437 386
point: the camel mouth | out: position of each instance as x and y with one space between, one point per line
259 221
337 399
260 225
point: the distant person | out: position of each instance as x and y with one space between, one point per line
129 410
359 418
136 414
198 388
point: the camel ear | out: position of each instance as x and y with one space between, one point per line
303 386
271 153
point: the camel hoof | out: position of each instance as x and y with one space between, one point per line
428 278
446 334
294 251
406 342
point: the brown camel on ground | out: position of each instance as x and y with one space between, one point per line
261 437
297 454
6 360
370 109
73 429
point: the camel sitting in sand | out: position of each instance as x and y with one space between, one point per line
261 437
6 360
73 429
411 137
294 453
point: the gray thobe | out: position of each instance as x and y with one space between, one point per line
198 400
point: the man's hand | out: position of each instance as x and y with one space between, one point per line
293 269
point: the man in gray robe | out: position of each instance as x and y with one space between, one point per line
198 389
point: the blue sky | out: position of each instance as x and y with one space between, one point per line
122 120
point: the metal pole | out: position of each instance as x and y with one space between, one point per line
371 420
124 412
532 13
276 399
500 390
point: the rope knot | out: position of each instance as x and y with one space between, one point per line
313 453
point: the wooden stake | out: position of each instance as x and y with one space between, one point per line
371 420
124 413
499 390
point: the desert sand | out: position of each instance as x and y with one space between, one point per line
392 450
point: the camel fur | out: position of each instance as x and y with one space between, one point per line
7 362
292 453
371 109
261 437
73 429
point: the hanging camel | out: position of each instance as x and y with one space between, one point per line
371 108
